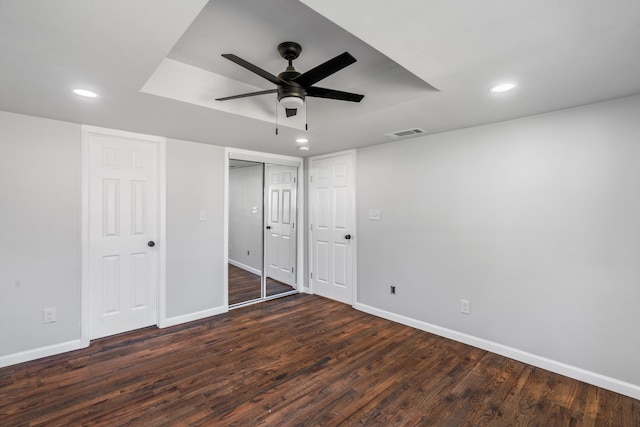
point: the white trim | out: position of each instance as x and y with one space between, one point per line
354 232
225 230
86 131
162 234
354 240
178 320
256 156
245 267
274 159
329 155
85 313
579 374
37 353
300 214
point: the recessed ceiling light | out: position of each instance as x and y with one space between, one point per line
504 87
302 140
303 148
85 93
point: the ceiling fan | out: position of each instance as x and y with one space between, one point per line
292 86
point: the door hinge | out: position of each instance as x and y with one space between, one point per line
310 178
311 274
294 179
292 270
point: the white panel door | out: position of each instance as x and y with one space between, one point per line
281 216
123 224
332 205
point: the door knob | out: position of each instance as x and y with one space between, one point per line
151 243
348 237
268 227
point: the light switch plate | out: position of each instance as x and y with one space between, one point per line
375 215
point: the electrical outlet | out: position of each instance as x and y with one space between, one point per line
49 315
464 306
393 290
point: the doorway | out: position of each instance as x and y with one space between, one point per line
262 223
123 223
332 217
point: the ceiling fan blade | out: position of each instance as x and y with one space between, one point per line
321 92
291 111
325 69
245 95
255 69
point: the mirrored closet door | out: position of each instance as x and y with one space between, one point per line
280 229
246 184
262 231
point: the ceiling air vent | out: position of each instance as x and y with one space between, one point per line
404 133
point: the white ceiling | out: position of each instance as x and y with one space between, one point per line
193 73
562 53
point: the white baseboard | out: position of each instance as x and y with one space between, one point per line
245 267
52 350
178 320
627 389
37 353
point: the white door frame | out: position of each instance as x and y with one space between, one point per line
274 159
354 239
85 288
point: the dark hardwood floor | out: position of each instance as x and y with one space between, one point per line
299 360
245 286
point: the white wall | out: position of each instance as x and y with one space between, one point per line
39 232
536 221
195 256
245 226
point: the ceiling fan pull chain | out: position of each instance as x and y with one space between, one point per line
276 116
306 115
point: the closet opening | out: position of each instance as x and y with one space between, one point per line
262 231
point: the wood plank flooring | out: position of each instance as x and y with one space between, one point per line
245 286
299 360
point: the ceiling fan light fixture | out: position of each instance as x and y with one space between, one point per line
291 102
504 87
85 93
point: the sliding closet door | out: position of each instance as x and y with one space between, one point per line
281 223
246 225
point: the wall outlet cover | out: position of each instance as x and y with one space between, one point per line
49 315
465 306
